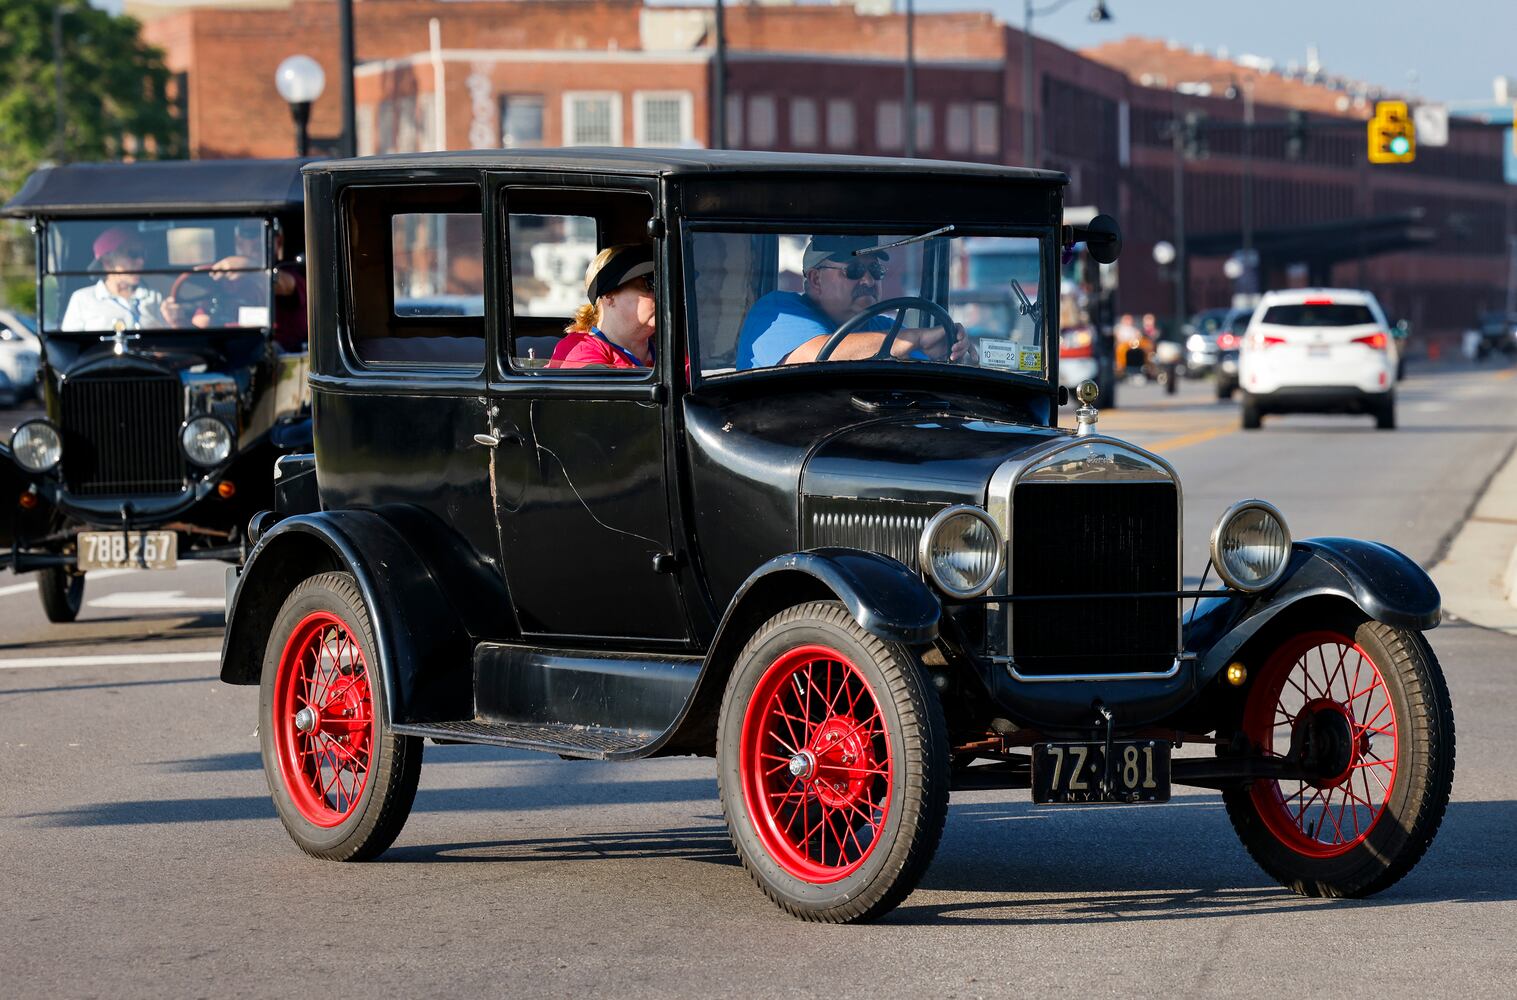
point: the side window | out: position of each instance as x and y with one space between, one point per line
416 276
554 237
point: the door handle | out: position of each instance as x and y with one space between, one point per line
488 440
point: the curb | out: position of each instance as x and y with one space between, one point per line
1478 574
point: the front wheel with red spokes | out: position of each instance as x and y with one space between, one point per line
342 783
833 765
1359 712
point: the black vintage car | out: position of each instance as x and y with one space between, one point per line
172 314
856 583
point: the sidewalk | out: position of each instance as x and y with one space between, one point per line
1478 575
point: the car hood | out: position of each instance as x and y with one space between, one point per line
920 458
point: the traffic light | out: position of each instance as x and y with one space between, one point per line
1295 136
1392 136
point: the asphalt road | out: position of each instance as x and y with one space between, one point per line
140 855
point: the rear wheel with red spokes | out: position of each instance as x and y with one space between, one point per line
1360 708
342 783
833 764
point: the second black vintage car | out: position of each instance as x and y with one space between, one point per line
804 529
172 315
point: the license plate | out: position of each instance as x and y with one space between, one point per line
1319 351
127 550
1078 772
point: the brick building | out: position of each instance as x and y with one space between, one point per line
1431 238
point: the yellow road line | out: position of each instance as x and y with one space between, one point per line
1194 437
1501 376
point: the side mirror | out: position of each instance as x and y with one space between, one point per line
1102 237
1401 329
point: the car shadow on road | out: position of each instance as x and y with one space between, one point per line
90 632
693 843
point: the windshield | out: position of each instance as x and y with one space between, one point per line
142 274
1318 314
767 300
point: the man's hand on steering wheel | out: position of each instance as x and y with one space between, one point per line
946 340
933 342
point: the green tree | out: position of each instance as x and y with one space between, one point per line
115 101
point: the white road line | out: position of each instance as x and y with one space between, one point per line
26 588
155 600
112 660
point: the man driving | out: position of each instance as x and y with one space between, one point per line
119 296
841 276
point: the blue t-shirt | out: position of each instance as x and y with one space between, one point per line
780 322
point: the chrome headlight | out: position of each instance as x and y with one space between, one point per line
37 446
1250 545
960 550
207 441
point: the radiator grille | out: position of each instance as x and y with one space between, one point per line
889 528
1094 538
121 436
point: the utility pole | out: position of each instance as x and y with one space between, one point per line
1182 263
345 35
909 127
60 137
719 81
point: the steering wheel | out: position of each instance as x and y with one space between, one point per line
197 290
902 304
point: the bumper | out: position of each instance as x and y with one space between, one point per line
1321 399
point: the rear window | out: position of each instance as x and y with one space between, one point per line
1318 315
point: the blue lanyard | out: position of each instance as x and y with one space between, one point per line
636 362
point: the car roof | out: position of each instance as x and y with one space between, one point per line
1298 296
161 187
677 162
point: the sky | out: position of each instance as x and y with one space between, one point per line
1454 48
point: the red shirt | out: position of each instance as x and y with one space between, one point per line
579 349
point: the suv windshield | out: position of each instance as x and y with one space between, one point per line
1318 314
155 274
764 300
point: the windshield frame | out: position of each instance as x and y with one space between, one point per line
42 226
1043 383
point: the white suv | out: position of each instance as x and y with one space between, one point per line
20 351
1318 350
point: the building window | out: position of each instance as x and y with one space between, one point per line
842 131
803 124
762 127
924 127
521 121
734 121
363 120
987 128
592 119
663 118
405 125
958 134
887 125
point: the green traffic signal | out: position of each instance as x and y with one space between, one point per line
1399 145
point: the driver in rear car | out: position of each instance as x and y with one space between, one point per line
841 277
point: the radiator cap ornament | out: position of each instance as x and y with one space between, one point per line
1086 416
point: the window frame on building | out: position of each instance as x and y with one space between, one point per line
805 133
833 139
769 137
958 128
570 120
986 141
889 126
502 105
686 99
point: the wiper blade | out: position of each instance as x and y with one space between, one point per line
866 251
1026 307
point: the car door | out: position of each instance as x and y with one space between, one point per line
578 470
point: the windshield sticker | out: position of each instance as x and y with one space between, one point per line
1002 354
1030 360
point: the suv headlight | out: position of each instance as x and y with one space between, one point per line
961 550
37 446
1250 545
207 441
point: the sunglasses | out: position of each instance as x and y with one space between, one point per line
856 269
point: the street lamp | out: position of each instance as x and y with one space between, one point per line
1098 15
300 81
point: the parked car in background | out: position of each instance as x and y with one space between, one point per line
1319 350
1498 335
856 583
1212 346
20 355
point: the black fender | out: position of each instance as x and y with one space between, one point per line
422 642
1384 583
884 596
11 485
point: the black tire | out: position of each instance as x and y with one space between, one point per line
323 823
1252 417
62 593
1373 857
1225 388
903 799
1385 413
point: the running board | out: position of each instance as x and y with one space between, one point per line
590 742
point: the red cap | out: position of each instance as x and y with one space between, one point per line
109 241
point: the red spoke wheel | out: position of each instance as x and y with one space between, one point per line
833 764
342 783
1363 709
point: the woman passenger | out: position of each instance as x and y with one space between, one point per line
615 328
